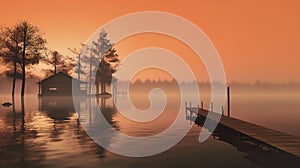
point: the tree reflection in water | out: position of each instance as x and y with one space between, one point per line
18 148
29 137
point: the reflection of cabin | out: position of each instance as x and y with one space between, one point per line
61 84
58 108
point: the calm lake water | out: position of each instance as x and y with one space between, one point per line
48 134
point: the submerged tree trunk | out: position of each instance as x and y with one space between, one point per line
15 71
23 80
14 114
14 80
23 113
23 62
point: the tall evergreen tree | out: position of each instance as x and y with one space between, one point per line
107 67
106 59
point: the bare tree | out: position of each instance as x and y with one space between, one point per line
10 52
31 46
54 60
59 63
79 66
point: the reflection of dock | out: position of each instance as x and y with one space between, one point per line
275 140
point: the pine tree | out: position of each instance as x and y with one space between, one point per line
105 57
107 67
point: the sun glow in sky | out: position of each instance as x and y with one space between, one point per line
257 40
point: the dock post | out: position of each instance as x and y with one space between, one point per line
202 104
190 104
212 106
198 106
185 107
228 101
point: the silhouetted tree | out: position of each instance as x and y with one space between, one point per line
21 45
59 62
54 60
107 67
106 60
78 65
31 46
100 47
10 51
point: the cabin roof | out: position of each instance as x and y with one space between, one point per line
59 73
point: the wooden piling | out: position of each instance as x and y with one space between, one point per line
228 101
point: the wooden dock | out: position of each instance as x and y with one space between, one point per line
278 140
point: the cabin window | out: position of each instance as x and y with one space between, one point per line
52 104
52 88
82 86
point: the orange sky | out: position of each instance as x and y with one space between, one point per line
256 40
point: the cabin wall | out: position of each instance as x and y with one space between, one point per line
60 85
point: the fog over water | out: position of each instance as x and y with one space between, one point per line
50 135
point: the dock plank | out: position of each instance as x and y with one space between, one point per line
276 139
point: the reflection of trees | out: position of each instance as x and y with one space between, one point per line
61 110
108 112
25 141
17 145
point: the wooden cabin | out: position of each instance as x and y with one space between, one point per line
61 84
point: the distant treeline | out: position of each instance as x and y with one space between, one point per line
236 84
236 87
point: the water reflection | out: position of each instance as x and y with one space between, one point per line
17 142
49 134
46 132
61 110
89 118
57 108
